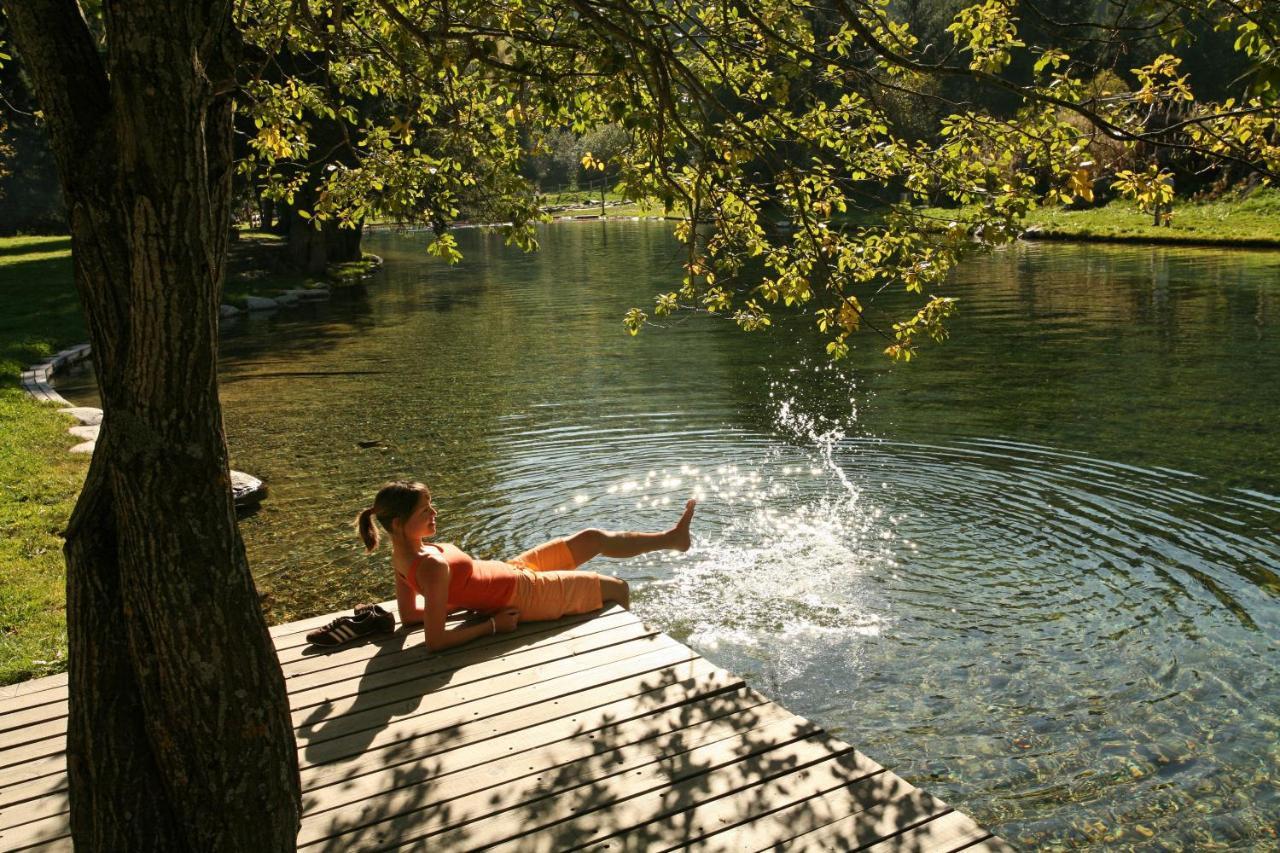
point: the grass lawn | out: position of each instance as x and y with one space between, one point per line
1252 220
39 479
587 203
626 208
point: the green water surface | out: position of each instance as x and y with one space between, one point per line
1036 572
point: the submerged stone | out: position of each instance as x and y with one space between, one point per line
247 490
84 414
260 303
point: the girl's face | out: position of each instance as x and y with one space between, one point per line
421 523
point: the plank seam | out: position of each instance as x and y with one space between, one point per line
667 783
548 768
821 792
752 784
685 699
537 701
417 676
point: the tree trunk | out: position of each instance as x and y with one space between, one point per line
266 213
312 249
179 736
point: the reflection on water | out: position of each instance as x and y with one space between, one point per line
1037 572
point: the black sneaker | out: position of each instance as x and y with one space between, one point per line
385 619
347 628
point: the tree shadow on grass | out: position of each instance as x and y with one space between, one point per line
36 246
39 310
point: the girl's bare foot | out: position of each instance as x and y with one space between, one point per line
680 533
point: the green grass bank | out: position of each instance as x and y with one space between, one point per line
1249 222
39 480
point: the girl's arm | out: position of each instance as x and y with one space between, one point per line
410 612
433 580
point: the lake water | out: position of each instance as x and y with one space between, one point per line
1036 571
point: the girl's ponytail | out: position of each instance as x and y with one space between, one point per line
368 532
394 501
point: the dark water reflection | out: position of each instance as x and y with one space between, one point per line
1037 572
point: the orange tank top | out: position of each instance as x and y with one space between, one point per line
478 584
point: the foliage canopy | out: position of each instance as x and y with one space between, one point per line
743 115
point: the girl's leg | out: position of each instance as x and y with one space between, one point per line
615 589
593 542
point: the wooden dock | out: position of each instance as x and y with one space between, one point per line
596 733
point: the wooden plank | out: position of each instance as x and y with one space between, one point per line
57 845
30 734
14 756
23 695
35 801
618 699
27 693
374 657
435 800
47 826
411 737
428 672
305 658
370 655
658 689
355 712
24 836
773 814
349 706
582 813
14 721
595 732
34 833
916 821
951 831
701 819
31 788
552 694
32 770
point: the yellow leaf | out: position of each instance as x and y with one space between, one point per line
850 314
1082 184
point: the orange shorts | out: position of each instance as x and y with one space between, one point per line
547 587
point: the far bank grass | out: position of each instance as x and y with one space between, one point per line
39 480
1253 220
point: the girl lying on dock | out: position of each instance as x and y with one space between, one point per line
540 584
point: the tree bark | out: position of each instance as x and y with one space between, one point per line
179 736
312 249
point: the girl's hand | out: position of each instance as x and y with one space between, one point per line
505 620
